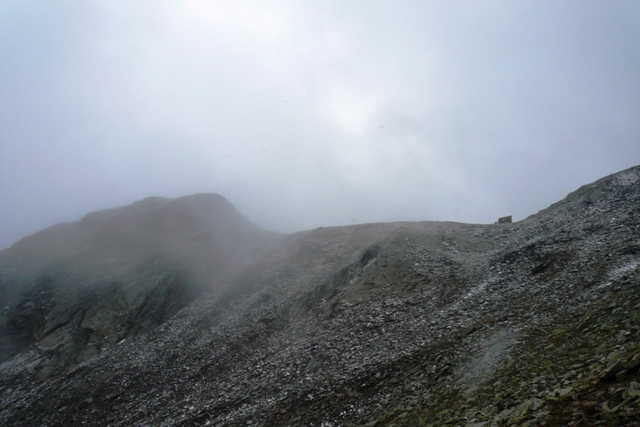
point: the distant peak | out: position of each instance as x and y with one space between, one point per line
203 203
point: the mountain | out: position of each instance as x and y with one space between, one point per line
427 323
72 290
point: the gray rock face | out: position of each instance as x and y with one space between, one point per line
433 323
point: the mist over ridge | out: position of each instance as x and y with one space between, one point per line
306 115
324 214
182 312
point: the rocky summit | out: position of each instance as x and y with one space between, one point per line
180 312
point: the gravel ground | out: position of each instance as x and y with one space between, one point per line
430 323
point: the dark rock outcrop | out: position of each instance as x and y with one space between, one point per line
433 323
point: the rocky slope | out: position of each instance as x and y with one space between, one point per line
72 290
430 323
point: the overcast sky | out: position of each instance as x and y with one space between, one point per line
313 113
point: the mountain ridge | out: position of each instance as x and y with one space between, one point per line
69 266
431 323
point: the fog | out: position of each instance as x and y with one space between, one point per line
306 114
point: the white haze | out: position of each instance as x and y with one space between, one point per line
306 114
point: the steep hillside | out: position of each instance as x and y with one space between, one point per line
74 289
429 323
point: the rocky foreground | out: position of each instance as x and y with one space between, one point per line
535 323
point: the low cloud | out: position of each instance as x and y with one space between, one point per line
305 114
